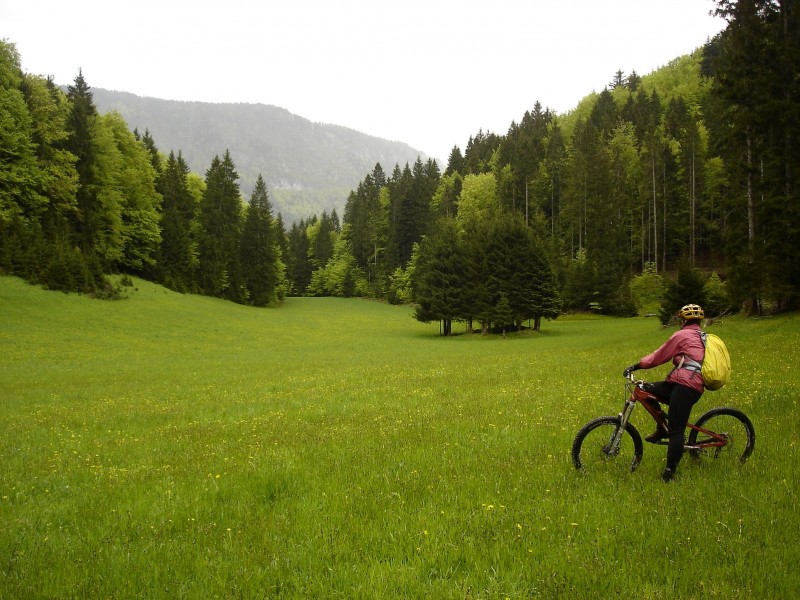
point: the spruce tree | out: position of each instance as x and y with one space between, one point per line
220 231
80 125
259 247
176 257
437 282
455 162
150 144
298 263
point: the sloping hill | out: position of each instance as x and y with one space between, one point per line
309 167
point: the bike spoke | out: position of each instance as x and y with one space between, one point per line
735 446
594 448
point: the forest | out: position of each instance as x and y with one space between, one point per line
676 186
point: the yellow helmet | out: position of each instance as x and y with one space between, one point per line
691 311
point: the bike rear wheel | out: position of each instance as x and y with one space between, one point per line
731 423
591 447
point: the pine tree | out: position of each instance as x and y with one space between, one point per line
322 233
220 224
437 276
401 235
366 219
414 208
176 257
455 162
283 243
298 263
476 301
80 143
539 286
260 250
150 144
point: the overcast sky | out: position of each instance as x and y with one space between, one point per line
426 72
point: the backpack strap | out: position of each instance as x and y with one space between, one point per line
689 364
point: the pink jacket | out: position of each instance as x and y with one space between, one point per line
686 342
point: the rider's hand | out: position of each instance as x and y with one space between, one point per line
627 372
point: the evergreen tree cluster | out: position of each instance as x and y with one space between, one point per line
81 196
691 167
493 271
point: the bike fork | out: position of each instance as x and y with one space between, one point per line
613 443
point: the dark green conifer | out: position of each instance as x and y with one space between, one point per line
260 250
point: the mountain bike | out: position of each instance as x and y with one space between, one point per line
612 442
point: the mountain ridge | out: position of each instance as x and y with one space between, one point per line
309 167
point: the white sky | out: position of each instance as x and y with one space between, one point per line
426 72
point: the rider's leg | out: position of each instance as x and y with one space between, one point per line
681 401
662 389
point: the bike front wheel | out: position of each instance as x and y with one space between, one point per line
592 448
730 423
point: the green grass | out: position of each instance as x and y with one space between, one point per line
183 447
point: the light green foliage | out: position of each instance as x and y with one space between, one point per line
20 176
108 195
400 289
49 110
131 179
680 78
445 198
339 276
478 201
170 446
647 290
718 301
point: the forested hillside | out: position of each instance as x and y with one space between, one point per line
677 186
308 167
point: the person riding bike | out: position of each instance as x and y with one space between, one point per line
682 388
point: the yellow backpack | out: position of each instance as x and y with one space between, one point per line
716 368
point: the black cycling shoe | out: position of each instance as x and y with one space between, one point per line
667 475
659 434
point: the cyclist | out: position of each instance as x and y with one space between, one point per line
683 386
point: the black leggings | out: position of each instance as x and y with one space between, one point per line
681 399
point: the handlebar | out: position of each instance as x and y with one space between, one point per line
631 378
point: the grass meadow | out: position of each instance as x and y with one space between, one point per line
174 446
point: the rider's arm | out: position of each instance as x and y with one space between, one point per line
664 354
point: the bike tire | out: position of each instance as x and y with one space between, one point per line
589 450
737 427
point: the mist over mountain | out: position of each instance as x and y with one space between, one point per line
308 167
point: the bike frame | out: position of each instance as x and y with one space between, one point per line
650 402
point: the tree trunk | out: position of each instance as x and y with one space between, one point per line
448 326
751 228
655 214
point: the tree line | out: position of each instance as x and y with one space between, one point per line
81 196
691 169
